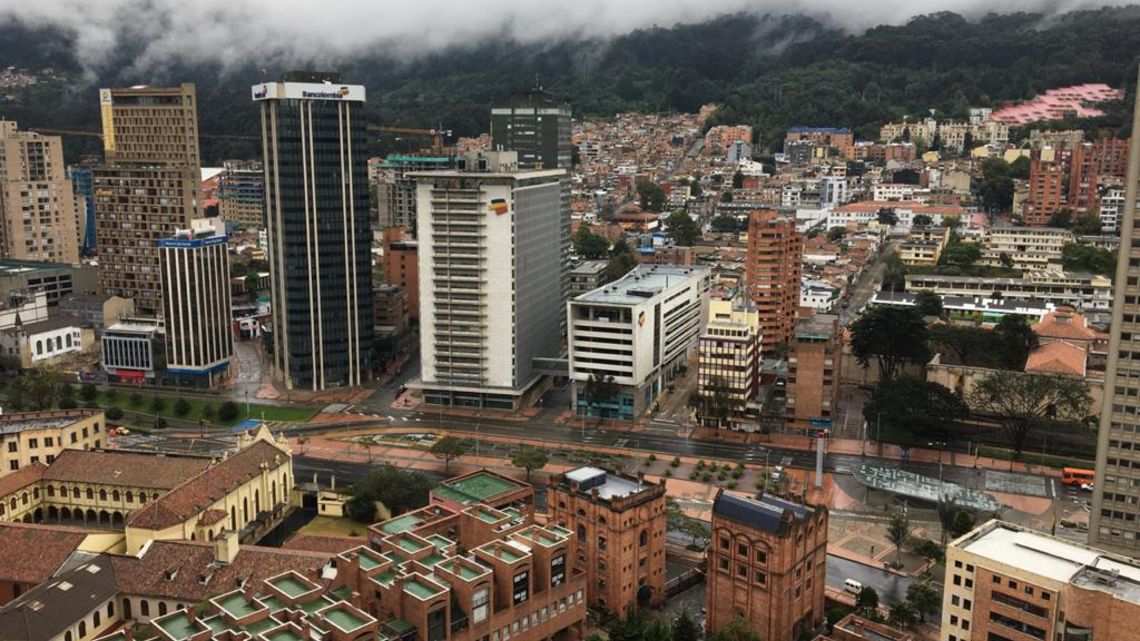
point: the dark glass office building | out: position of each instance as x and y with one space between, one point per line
317 218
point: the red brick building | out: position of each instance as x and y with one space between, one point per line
767 563
1046 190
1092 164
814 363
772 274
619 523
402 267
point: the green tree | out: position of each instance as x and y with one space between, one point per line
887 216
228 412
621 261
736 630
697 530
963 523
1087 225
398 490
835 233
1086 258
695 188
894 272
898 533
1024 402
657 630
1019 168
726 196
902 615
996 186
891 335
88 392
530 458
1062 218
182 406
725 224
948 510
252 285
867 601
738 180
923 408
1006 260
650 195
588 244
682 229
448 448
960 254
114 413
922 220
928 303
600 388
924 598
136 399
157 405
685 629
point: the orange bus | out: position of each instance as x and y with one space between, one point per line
1076 476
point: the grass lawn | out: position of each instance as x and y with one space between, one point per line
329 526
122 400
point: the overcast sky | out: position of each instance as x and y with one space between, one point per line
243 31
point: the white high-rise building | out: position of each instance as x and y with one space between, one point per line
490 279
195 276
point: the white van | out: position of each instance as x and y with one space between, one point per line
853 586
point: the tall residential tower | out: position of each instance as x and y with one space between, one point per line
38 214
316 211
1115 517
772 278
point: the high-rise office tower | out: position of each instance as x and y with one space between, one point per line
148 188
84 192
38 216
241 193
772 277
489 300
538 128
1115 518
317 221
196 303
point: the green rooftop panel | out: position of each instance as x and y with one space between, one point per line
179 626
290 586
421 589
237 606
399 524
284 634
344 619
480 486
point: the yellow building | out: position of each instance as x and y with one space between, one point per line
728 365
155 496
39 437
246 493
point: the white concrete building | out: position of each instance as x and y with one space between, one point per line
819 295
1111 209
1027 247
27 306
44 342
832 191
490 280
899 192
640 330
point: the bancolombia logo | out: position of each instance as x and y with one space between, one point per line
334 95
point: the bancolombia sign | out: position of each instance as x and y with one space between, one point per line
308 91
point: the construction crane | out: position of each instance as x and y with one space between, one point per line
436 134
96 134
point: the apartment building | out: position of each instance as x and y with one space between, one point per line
148 187
196 304
587 276
1113 520
1111 211
490 300
1029 248
319 246
767 563
1083 291
394 189
39 213
401 265
27 438
241 193
640 330
814 362
1047 186
772 274
619 523
728 365
1004 581
1093 165
924 245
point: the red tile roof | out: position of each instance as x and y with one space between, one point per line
1057 358
21 478
1064 323
318 543
33 553
127 469
195 495
188 571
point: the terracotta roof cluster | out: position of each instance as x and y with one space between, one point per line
128 469
195 495
319 543
33 553
1057 358
189 570
21 478
1065 324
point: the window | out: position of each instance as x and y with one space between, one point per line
602 543
581 533
479 605
13 465
723 540
1013 584
958 564
966 605
144 607
954 600
741 570
11 446
742 549
761 578
643 538
74 438
437 625
957 580
724 565
48 441
521 587
997 579
33 443
161 608
969 583
557 570
761 556
1029 590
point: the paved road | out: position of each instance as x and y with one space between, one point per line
890 586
